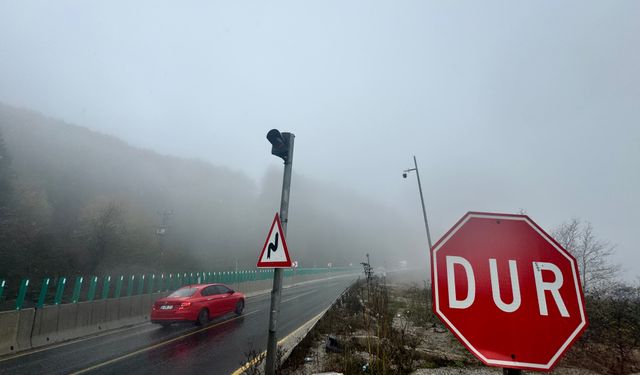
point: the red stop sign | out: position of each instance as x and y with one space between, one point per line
507 290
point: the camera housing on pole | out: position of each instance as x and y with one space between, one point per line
281 143
424 210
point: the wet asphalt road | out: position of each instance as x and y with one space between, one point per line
218 348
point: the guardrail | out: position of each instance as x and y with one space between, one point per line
58 290
108 305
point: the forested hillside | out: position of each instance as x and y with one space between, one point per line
76 201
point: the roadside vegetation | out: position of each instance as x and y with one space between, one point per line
376 328
387 326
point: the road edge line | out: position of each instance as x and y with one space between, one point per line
261 356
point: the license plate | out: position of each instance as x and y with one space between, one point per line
166 307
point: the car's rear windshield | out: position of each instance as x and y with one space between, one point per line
184 292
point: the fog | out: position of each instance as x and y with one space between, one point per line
507 106
76 201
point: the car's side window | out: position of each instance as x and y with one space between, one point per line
222 289
209 291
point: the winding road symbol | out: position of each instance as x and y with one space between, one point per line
274 252
272 247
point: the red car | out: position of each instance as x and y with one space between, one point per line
197 303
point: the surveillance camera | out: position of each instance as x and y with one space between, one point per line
404 175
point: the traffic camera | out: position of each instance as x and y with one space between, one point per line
279 143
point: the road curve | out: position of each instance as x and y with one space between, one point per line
218 348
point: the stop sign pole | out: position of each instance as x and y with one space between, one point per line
508 291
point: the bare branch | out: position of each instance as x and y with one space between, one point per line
592 254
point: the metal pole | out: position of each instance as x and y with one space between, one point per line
511 371
272 343
424 211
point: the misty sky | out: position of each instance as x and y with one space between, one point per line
507 105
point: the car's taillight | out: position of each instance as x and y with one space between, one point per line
184 305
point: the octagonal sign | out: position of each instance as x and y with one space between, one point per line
507 290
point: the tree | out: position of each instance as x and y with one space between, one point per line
7 258
614 328
102 231
24 220
6 174
593 254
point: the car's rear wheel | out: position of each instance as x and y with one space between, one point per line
203 317
239 307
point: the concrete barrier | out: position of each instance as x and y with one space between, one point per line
67 320
112 309
45 326
131 311
99 314
157 296
124 308
145 306
136 306
9 321
32 328
84 315
248 287
25 327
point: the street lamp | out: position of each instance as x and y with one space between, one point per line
424 211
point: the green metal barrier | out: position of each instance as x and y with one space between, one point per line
116 293
43 292
171 282
140 285
93 285
76 289
106 285
62 281
132 280
24 284
152 280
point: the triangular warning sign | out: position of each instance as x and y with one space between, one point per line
274 252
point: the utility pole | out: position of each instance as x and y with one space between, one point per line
282 146
161 232
424 211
